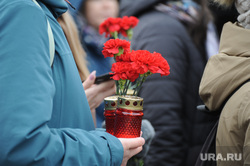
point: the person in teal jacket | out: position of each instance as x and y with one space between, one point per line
44 114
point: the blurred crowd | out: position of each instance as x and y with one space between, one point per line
206 46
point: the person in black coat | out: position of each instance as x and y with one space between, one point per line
170 102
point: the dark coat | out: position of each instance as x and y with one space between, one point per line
170 102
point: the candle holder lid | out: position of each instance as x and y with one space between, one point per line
110 103
130 102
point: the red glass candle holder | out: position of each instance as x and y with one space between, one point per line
109 113
129 115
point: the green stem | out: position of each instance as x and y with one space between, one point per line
137 84
121 86
140 86
125 85
115 35
117 87
130 33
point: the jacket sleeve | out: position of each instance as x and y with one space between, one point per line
26 99
246 148
163 96
244 119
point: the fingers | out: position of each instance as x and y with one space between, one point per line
101 95
97 92
134 142
106 85
135 151
139 141
131 147
90 80
108 92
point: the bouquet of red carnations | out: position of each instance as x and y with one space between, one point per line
130 65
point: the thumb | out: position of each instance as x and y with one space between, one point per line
90 80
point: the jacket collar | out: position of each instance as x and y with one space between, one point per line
57 7
77 5
233 34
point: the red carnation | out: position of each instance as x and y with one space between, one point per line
115 46
162 64
109 26
124 57
154 62
124 70
141 59
128 23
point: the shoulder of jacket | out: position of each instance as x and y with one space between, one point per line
160 18
23 6
13 3
164 24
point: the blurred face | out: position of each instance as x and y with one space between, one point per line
96 11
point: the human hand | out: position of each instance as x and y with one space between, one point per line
89 81
97 92
131 147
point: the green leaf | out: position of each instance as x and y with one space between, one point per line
121 85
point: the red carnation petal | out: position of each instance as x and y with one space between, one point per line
113 50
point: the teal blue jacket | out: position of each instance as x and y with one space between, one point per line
45 119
